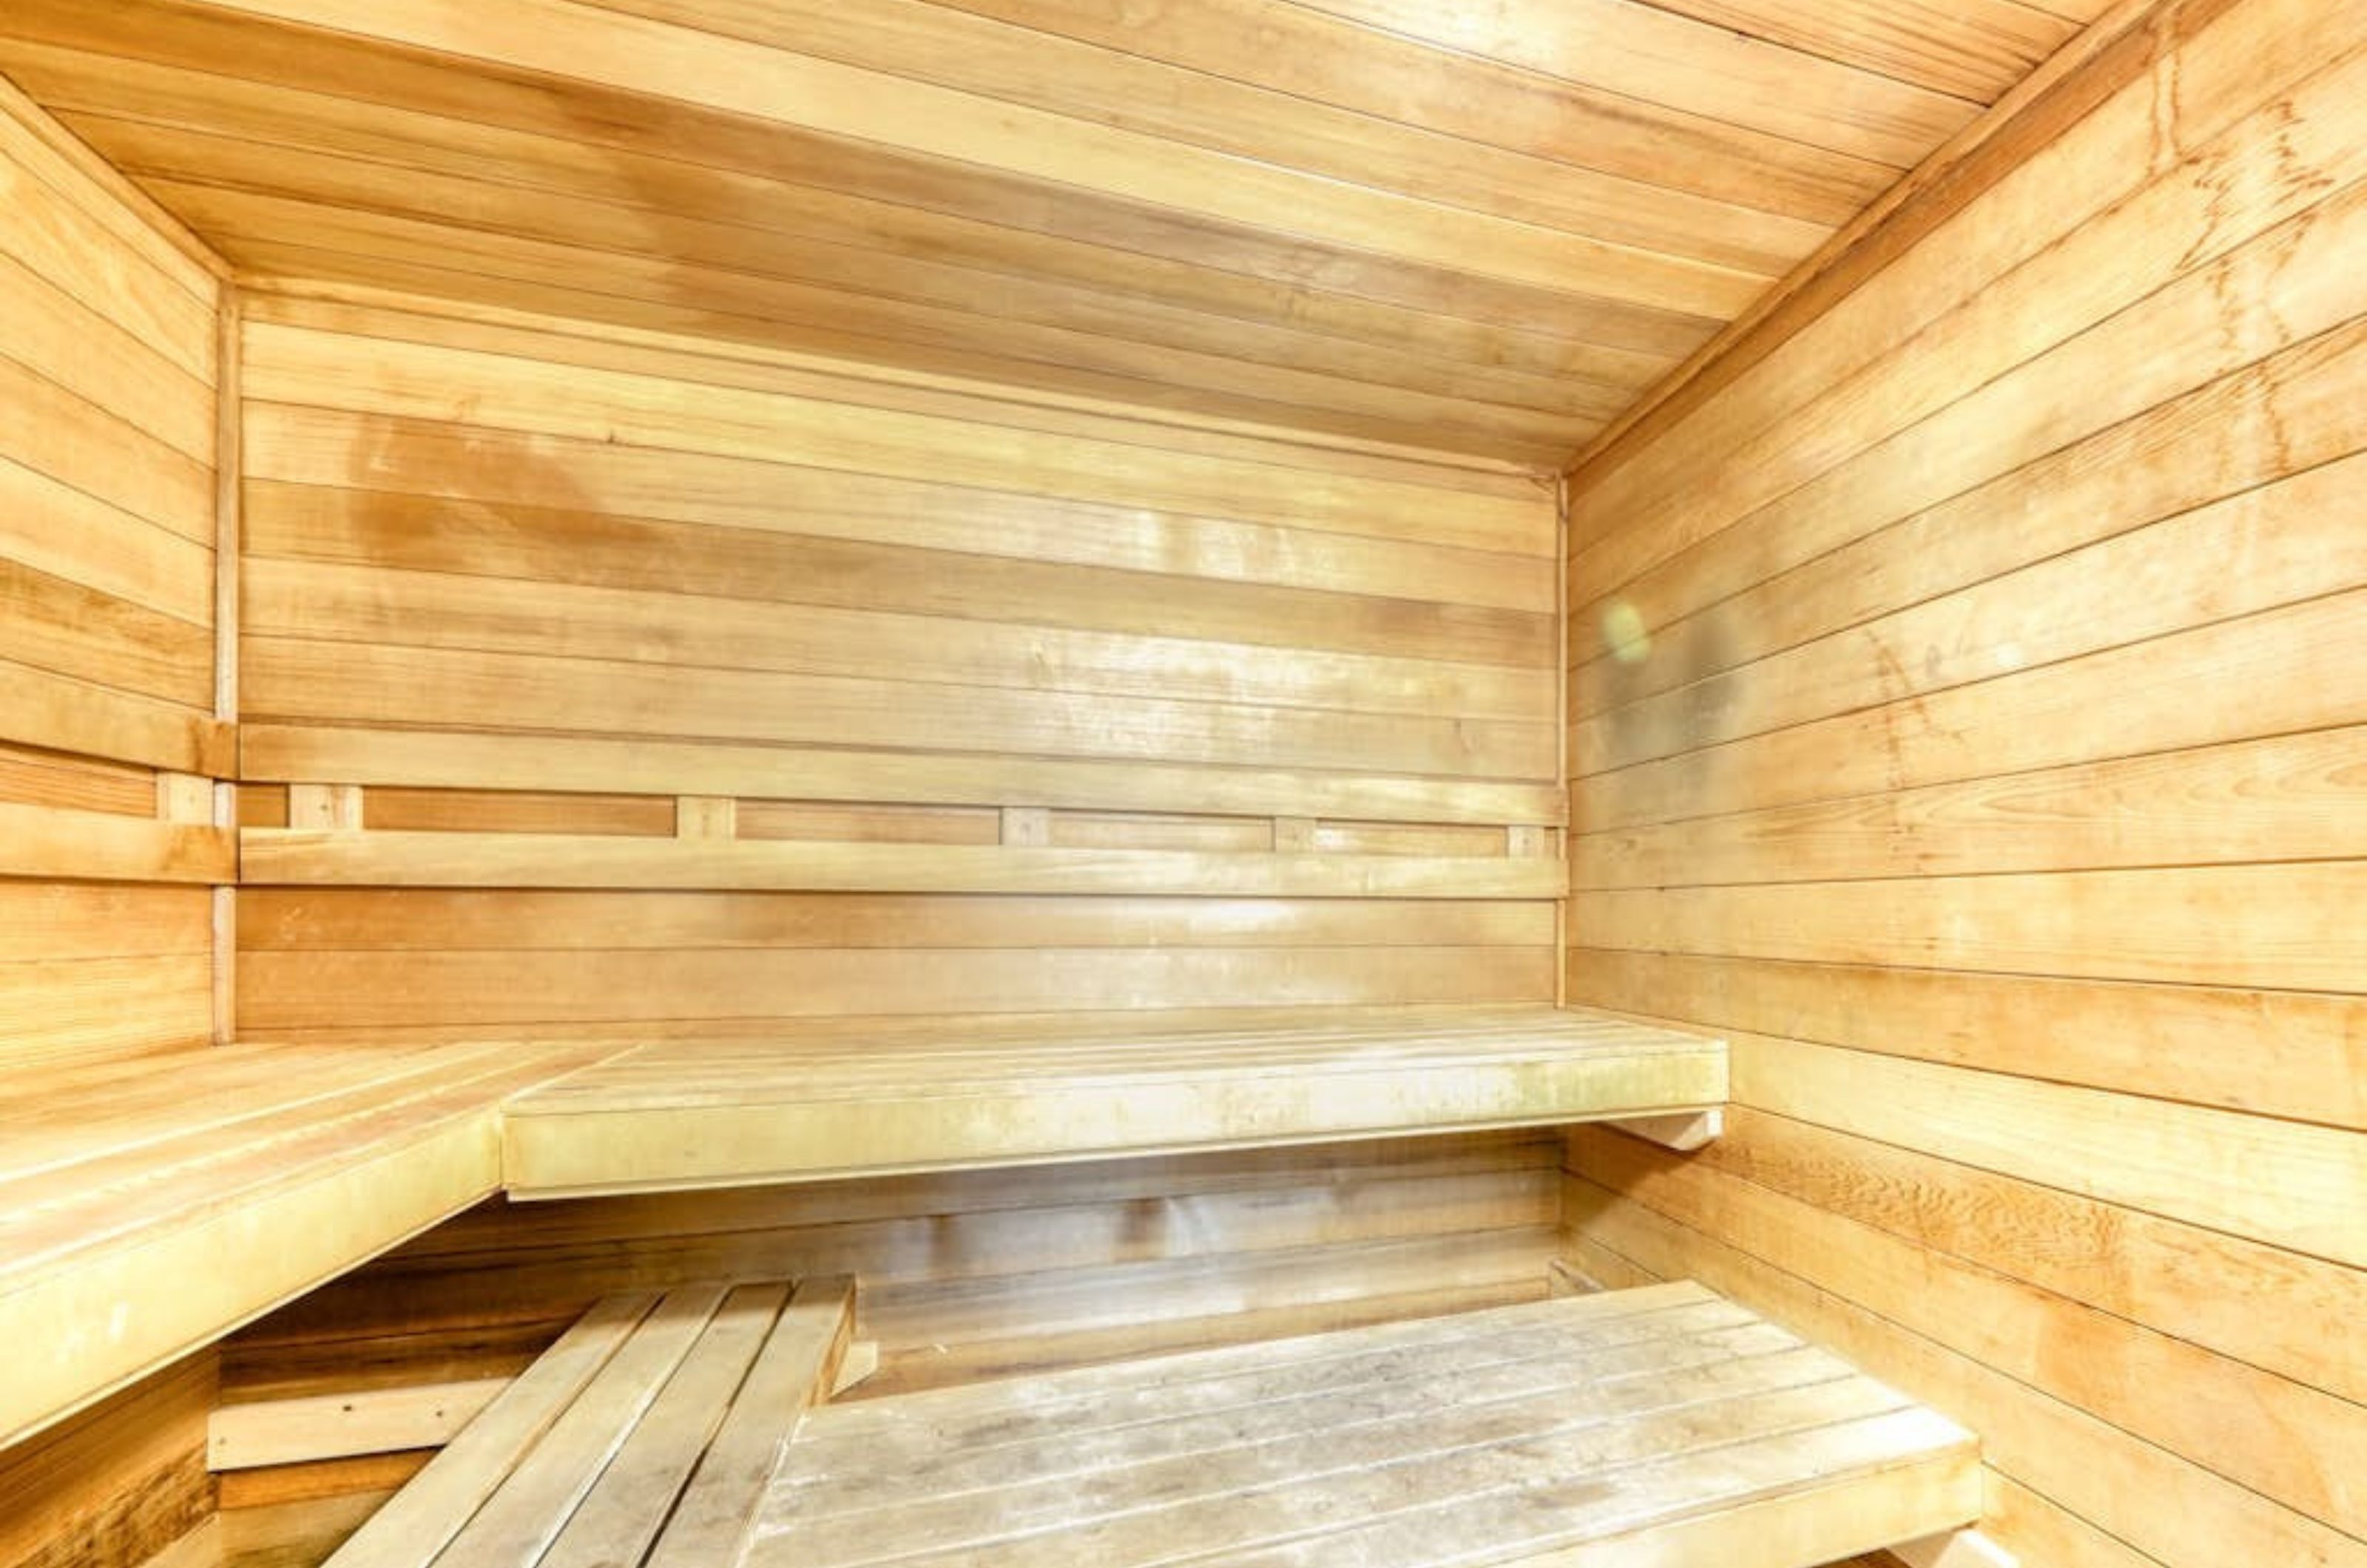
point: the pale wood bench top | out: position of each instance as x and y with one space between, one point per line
645 1435
149 1206
1634 1429
874 1101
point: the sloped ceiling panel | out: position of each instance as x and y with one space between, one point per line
1477 225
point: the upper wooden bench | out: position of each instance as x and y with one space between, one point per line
149 1206
840 1102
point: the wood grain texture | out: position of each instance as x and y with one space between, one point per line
640 1421
310 857
1962 736
2100 1461
108 410
1352 218
527 571
118 1486
1598 1415
1015 1270
106 456
540 764
253 1434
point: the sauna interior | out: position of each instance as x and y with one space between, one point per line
890 740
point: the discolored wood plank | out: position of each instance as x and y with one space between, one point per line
385 378
317 448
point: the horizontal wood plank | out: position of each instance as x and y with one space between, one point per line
293 1431
389 378
1938 680
458 759
44 841
1274 1453
301 856
512 921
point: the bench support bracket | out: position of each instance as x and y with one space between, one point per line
1684 1130
1957 1549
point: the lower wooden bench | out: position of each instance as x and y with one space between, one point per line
1635 1429
646 1435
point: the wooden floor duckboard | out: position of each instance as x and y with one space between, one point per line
879 1100
1639 1427
645 1435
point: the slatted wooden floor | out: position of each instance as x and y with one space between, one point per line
1642 1428
874 1100
645 1435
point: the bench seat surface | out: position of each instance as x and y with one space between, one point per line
147 1206
1644 1427
873 1101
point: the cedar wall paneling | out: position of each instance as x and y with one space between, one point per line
1967 712
122 1485
108 368
829 650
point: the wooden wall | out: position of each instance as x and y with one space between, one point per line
108 520
1969 691
122 1485
690 691
108 512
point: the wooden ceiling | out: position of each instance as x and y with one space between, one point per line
1477 225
